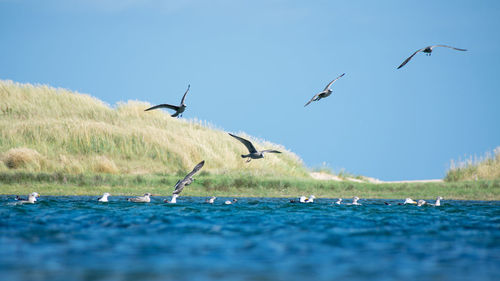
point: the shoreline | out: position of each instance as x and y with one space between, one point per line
241 185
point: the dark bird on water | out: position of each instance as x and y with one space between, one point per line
325 93
428 51
178 109
254 153
187 180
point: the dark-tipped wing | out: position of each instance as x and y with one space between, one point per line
329 84
446 46
247 143
313 99
176 108
184 97
408 59
270 151
196 169
187 179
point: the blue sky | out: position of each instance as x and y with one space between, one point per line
252 65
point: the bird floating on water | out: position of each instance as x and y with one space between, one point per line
211 200
178 109
339 201
141 199
325 93
408 201
438 202
104 197
231 202
354 201
428 51
310 199
254 153
187 180
421 203
30 200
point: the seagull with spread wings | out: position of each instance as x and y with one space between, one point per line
178 109
187 180
325 93
254 153
428 51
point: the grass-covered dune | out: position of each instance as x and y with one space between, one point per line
45 129
485 167
58 142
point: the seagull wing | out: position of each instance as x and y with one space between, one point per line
179 186
329 84
181 183
270 151
184 97
408 59
247 143
313 98
196 169
446 46
176 108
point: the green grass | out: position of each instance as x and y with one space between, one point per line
242 185
45 129
485 167
58 142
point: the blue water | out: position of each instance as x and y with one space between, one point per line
76 238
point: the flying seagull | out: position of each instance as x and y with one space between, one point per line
254 153
178 109
428 51
187 180
325 93
104 197
141 199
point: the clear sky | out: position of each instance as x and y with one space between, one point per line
252 66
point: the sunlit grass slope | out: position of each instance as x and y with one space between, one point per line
486 167
45 129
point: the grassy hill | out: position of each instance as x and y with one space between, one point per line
46 129
486 167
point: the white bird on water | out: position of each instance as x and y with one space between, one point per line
104 197
310 199
211 200
231 202
421 203
438 202
408 201
31 199
141 199
339 201
354 201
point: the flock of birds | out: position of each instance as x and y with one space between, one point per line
146 198
253 152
